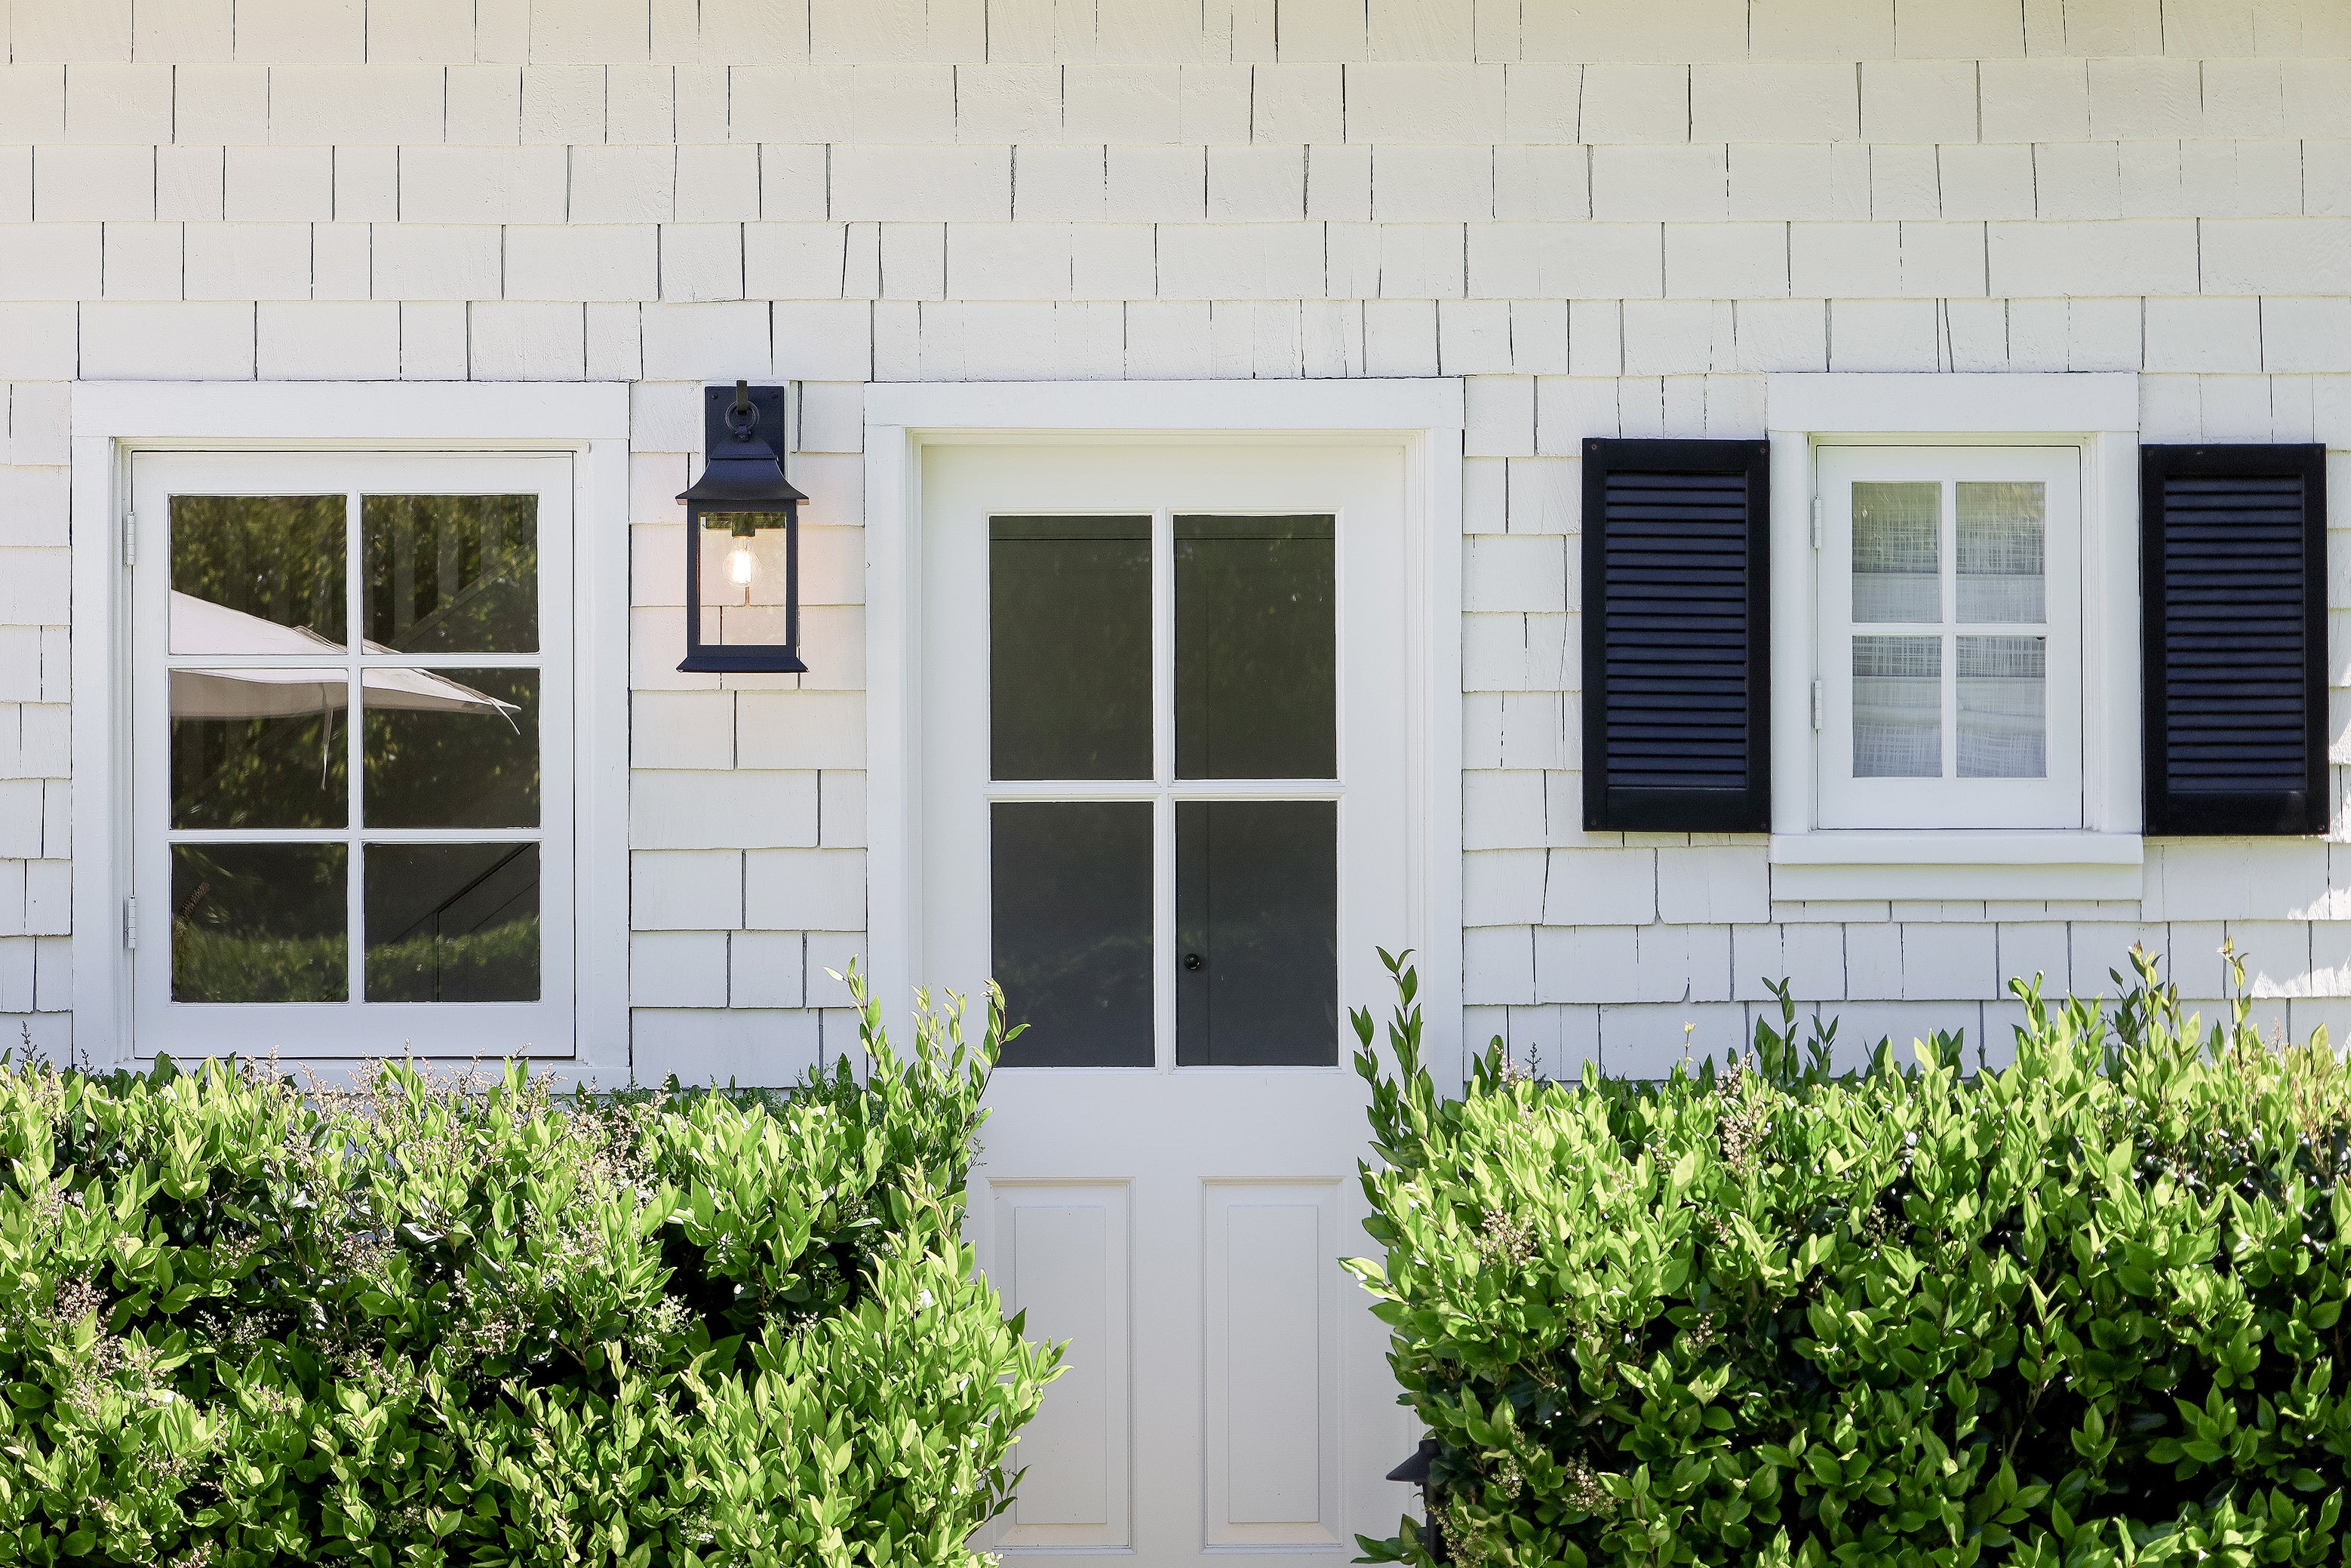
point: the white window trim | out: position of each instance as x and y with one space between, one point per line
1424 417
2099 415
112 420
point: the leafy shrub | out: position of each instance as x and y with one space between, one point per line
424 1323
2085 1310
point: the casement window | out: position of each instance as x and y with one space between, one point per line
350 753
1950 631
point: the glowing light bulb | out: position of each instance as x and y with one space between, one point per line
740 567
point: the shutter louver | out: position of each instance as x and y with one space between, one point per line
1676 636
2233 555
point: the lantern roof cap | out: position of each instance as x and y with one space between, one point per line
744 469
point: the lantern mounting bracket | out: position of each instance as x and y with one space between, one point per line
768 415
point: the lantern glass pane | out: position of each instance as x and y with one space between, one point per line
745 583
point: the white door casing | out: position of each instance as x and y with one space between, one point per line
1180 1226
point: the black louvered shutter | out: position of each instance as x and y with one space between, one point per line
1676 636
2234 554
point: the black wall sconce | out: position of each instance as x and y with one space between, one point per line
742 538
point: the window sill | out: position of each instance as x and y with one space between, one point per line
1956 863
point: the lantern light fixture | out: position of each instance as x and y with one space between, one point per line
743 602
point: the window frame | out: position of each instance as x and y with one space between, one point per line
356 1027
113 422
2097 414
1951 801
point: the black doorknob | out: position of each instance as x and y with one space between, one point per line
1192 960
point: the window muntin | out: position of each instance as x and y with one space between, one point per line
351 776
1949 652
1183 665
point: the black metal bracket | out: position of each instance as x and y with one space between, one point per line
766 402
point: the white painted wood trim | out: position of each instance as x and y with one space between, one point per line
1959 847
1424 416
2099 414
110 420
1952 404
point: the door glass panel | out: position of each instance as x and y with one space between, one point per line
1070 647
257 574
451 923
259 923
2002 535
1898 552
450 574
2003 702
1070 918
1256 648
450 749
1897 707
1257 917
258 748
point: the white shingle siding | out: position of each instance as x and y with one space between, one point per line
1613 218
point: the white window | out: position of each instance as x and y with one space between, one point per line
350 753
1950 637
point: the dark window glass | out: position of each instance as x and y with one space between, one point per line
259 923
450 574
1256 648
450 749
257 574
1257 919
1070 919
1070 647
451 923
259 748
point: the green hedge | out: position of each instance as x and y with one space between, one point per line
2085 1310
428 1323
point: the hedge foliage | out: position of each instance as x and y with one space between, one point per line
2085 1310
428 1323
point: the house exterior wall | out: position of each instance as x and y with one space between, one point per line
1610 216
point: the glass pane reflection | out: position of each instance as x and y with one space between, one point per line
450 574
450 749
1256 648
1897 707
1257 919
2003 705
1070 647
1070 920
259 748
451 923
2002 535
1898 552
259 923
257 574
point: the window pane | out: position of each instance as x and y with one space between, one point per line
1070 921
259 923
2002 529
451 574
1069 615
2003 698
1256 648
450 749
1897 707
1898 544
1257 917
451 923
257 574
258 748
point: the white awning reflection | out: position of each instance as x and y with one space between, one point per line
201 627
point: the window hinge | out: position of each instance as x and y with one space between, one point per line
130 924
130 538
1817 511
1816 704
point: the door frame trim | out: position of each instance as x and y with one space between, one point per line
1422 417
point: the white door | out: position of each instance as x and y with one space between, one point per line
1165 803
